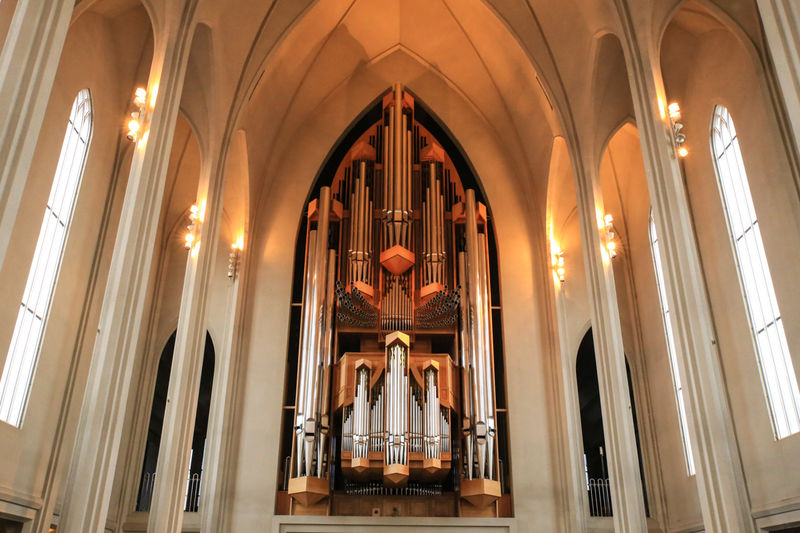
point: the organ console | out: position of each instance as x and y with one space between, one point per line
395 392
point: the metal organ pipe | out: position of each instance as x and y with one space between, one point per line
432 414
361 409
480 342
313 352
327 360
469 396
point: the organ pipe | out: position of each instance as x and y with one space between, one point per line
432 413
314 354
396 405
478 345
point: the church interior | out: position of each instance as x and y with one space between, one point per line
400 265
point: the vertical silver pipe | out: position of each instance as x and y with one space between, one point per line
326 359
468 393
300 407
477 308
368 244
317 300
390 182
488 361
385 188
403 181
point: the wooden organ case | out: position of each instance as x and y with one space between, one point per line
397 358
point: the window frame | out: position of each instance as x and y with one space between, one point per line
783 394
669 337
43 273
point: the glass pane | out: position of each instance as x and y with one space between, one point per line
772 351
671 351
37 297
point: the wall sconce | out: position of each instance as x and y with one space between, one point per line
234 257
678 137
134 123
610 244
559 272
190 239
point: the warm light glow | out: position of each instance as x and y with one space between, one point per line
661 109
682 151
239 244
674 111
557 257
153 95
608 219
612 248
140 97
189 240
133 127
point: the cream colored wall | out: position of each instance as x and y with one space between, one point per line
535 482
718 70
93 58
6 13
626 197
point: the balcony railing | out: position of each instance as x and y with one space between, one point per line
191 499
599 497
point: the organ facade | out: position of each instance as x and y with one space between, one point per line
396 340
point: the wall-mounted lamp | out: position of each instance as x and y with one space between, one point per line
678 137
234 257
559 272
190 239
609 243
134 123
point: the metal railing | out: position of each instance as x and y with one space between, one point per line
599 497
191 498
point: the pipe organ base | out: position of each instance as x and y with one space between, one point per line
308 490
480 492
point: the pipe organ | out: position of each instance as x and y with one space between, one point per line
396 370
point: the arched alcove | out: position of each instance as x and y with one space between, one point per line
436 167
594 447
154 428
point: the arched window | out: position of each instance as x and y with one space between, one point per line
777 371
26 341
673 362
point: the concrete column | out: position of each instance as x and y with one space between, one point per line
615 402
577 507
121 319
221 422
28 65
781 20
166 512
720 481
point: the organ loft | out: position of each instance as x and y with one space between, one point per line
398 359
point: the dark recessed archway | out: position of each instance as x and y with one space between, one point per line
155 426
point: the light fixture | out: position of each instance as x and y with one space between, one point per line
609 243
134 123
678 137
557 258
234 257
558 266
190 239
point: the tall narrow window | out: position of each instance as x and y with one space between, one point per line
777 371
673 362
26 341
